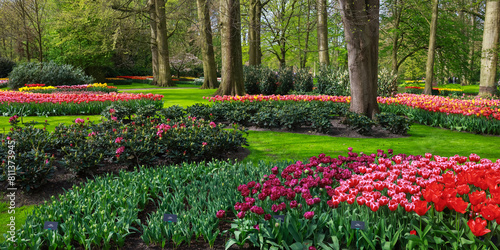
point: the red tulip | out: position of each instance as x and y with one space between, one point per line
478 227
421 207
477 197
490 212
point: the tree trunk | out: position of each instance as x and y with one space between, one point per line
209 70
395 37
164 76
489 54
254 51
361 23
431 54
322 33
154 47
232 67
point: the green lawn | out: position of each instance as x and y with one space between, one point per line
270 146
181 97
467 89
20 217
149 86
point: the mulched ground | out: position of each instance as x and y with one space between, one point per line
64 180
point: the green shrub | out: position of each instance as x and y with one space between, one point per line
173 112
33 169
6 67
334 81
82 158
387 83
48 73
395 123
285 81
361 123
268 82
199 110
251 79
303 81
118 111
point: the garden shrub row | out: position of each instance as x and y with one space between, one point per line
293 115
83 147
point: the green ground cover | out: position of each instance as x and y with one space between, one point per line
21 214
467 89
181 97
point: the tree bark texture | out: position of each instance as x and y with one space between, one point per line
322 33
164 76
489 54
396 12
207 47
232 67
361 23
255 53
431 54
154 47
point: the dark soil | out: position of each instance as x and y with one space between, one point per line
64 180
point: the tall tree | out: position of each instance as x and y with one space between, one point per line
164 76
431 54
153 44
255 14
232 67
323 33
361 24
207 46
489 55
278 24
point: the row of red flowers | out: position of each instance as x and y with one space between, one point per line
475 107
466 185
27 97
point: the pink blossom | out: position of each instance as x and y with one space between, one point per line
114 118
112 111
120 150
309 215
79 120
213 124
220 214
119 140
204 144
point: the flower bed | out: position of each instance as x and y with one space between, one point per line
473 115
26 103
462 194
404 201
41 88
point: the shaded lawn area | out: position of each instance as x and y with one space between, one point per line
271 146
179 84
181 97
467 89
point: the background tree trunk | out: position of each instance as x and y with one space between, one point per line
232 67
207 47
489 55
255 53
154 48
431 54
396 12
361 23
322 33
164 75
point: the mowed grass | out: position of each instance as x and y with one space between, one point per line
271 146
467 89
181 97
179 84
20 215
